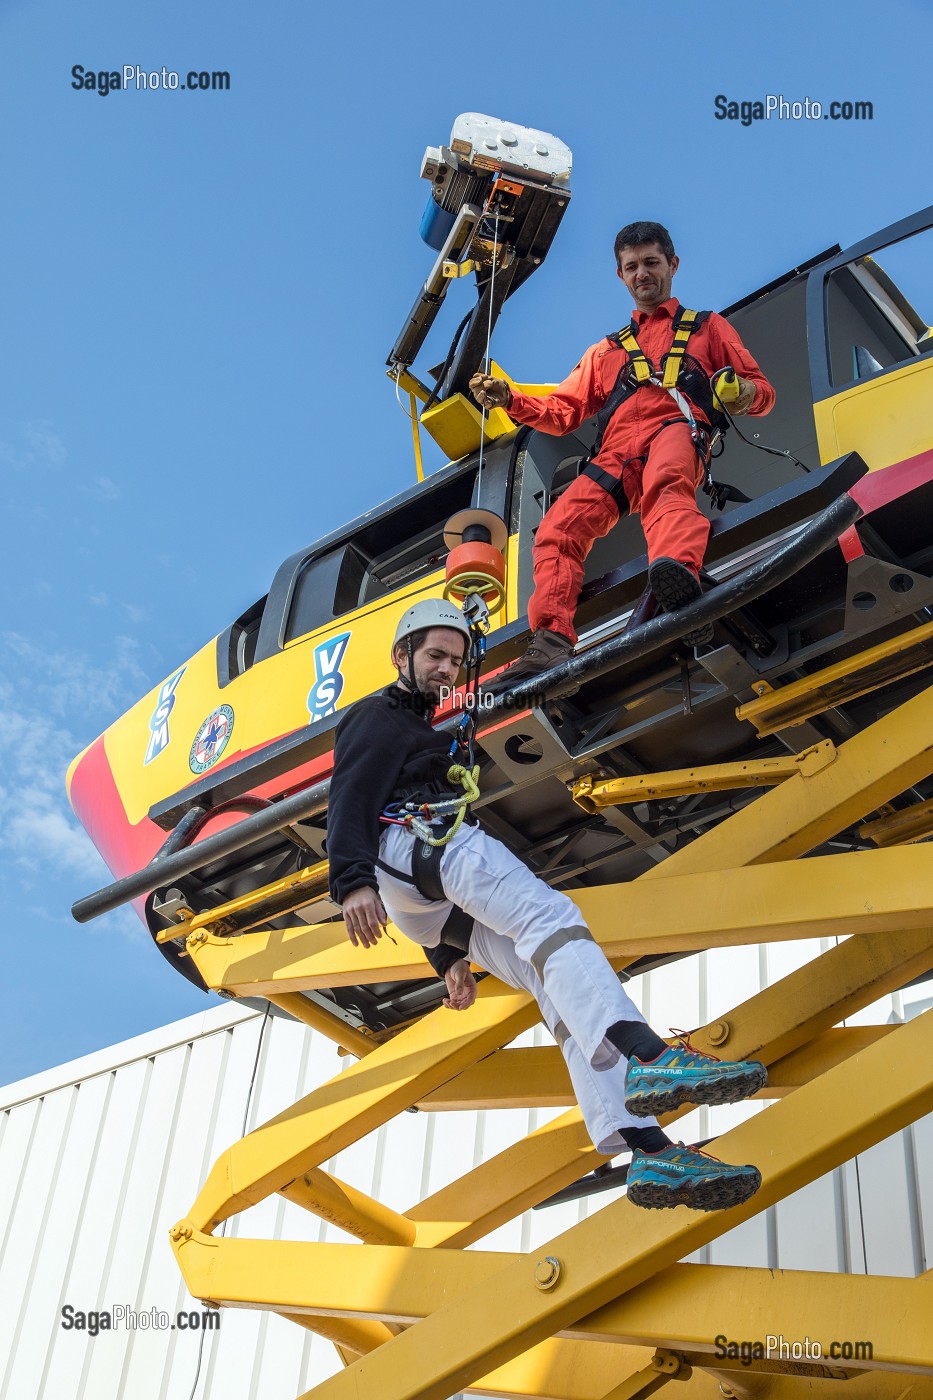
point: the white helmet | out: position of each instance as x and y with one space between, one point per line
430 612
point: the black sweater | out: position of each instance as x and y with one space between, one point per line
385 751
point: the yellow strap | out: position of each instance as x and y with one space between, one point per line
675 355
636 355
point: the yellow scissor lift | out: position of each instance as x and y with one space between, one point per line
604 1311
412 1310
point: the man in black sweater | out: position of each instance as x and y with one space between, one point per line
470 899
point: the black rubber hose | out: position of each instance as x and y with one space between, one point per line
666 629
442 373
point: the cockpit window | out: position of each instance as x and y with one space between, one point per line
393 550
879 309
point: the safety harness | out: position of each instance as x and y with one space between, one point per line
435 823
684 378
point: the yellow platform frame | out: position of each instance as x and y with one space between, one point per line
605 1311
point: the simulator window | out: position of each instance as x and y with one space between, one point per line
878 308
395 549
313 599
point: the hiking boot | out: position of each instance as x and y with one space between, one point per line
546 649
685 1176
683 1075
674 586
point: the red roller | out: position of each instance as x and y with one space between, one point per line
476 564
476 568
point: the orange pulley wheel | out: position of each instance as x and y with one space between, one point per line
476 564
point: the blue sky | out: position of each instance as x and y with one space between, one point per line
200 290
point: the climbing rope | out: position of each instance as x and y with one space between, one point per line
420 817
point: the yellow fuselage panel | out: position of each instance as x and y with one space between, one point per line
189 724
885 420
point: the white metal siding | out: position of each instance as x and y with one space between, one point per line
99 1158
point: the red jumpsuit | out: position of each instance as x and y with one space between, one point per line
660 474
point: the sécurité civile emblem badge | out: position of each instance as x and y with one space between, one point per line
211 739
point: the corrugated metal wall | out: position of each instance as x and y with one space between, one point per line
100 1157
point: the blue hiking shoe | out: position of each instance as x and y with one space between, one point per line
684 1075
685 1176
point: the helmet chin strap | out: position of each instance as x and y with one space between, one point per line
410 678
409 681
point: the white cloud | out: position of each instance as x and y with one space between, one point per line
104 489
39 447
37 830
52 702
63 681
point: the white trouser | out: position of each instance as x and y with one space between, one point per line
532 938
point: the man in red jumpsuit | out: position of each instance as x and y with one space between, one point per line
651 461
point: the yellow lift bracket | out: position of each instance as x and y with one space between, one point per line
592 792
851 893
255 907
560 1323
835 685
896 828
450 268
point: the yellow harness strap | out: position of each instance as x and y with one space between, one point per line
626 339
675 356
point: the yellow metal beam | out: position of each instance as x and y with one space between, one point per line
361 1098
558 1370
561 1370
352 1210
347 1334
913 823
878 1385
291 892
774 1023
869 769
533 1076
504 1186
707 1311
835 685
840 894
662 1367
355 1041
318 956
409 382
593 793
687 1311
859 892
820 1054
536 1076
851 1107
